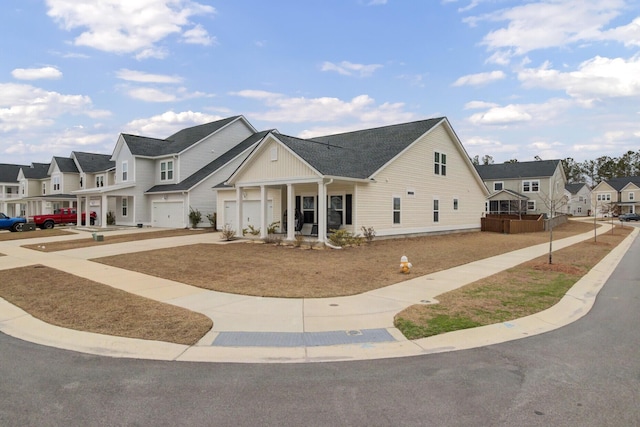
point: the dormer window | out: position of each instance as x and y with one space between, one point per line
166 170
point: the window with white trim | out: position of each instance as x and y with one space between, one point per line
436 210
99 181
274 153
632 196
531 205
55 180
498 186
604 197
532 186
125 206
44 188
166 170
396 210
125 171
439 163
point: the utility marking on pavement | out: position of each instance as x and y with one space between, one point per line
301 339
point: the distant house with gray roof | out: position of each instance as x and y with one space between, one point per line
579 199
10 189
525 187
616 196
404 179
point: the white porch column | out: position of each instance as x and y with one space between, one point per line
238 218
263 211
322 212
104 207
291 213
79 210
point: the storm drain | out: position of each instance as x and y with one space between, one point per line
301 339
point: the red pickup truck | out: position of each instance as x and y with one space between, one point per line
62 216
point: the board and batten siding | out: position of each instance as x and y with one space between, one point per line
413 171
286 166
212 147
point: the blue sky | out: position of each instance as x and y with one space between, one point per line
517 79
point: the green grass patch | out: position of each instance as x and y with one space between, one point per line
439 324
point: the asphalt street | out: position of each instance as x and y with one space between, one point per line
584 374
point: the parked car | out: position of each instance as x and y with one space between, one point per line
11 224
62 216
629 217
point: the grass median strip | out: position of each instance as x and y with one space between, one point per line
73 302
518 292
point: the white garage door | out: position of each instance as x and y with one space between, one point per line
168 214
250 213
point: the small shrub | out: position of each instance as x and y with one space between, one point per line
271 228
369 233
228 232
111 218
194 217
340 237
213 220
251 230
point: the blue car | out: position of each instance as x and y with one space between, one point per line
11 224
629 217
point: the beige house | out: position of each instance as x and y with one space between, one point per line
525 187
616 196
404 179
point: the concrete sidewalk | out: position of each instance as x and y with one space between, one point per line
255 329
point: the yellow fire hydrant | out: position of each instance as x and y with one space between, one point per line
405 265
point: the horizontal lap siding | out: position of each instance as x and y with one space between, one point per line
212 147
414 170
287 166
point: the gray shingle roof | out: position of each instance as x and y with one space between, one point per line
92 162
535 169
66 164
574 188
153 147
358 154
9 172
36 171
620 183
210 168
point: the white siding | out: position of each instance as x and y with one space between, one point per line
414 170
287 166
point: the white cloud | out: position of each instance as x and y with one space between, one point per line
198 35
25 107
376 2
476 105
553 23
166 95
598 77
629 34
36 73
513 114
142 77
479 78
168 123
133 26
347 68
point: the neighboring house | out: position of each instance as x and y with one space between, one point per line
34 182
616 196
157 181
525 187
95 172
579 199
10 189
404 179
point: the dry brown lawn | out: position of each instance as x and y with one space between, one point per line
73 302
4 236
518 292
290 272
119 238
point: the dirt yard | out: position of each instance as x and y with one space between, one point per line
293 272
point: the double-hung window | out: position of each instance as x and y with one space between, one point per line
99 181
125 171
532 186
125 206
436 210
166 170
439 163
55 180
396 210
